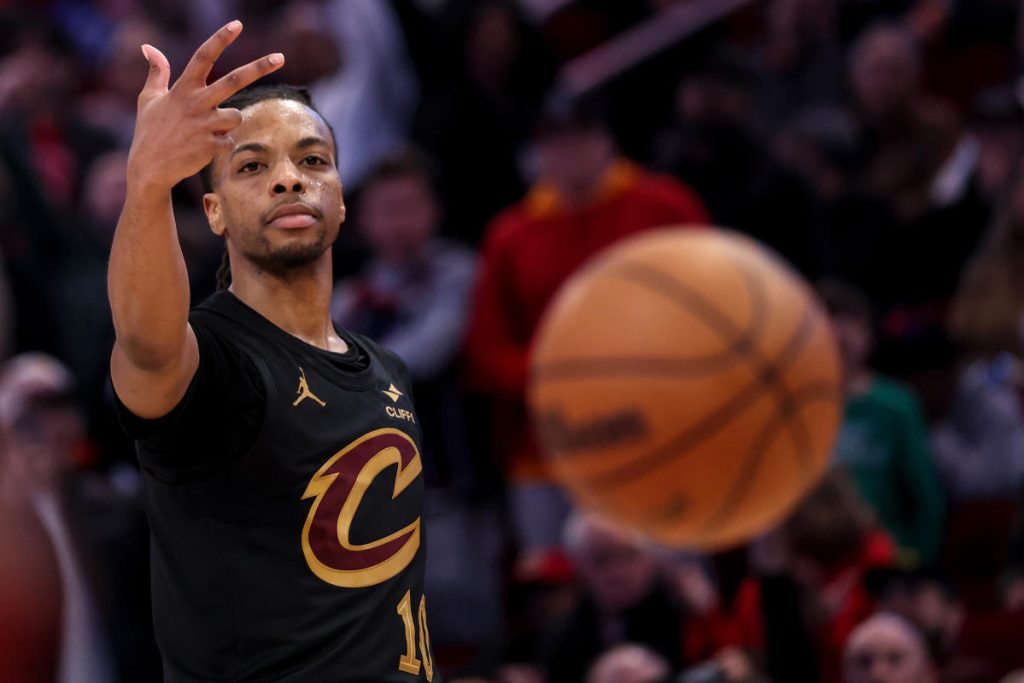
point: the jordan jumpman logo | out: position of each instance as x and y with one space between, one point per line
304 392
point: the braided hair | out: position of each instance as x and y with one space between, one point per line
224 273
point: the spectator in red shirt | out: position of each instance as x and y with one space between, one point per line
586 198
809 592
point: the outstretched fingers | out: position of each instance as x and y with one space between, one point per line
199 67
229 84
159 71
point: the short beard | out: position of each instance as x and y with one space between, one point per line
282 261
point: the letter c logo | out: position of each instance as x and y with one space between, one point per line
339 487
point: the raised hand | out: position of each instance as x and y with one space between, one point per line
178 130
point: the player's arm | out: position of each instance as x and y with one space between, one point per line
177 132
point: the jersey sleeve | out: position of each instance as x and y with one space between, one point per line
216 421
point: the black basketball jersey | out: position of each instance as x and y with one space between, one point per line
300 558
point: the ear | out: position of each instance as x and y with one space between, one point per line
341 198
214 214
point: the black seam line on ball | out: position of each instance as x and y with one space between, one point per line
666 368
708 426
781 418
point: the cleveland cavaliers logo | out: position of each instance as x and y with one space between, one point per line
339 487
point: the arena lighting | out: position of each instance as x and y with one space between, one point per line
643 41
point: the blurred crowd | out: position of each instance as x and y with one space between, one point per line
875 144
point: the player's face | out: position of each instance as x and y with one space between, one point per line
278 198
884 652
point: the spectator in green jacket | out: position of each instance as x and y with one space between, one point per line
884 443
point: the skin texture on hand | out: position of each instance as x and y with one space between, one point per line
179 128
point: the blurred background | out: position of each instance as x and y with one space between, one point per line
488 147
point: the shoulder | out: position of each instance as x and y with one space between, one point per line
453 259
217 317
450 252
667 191
895 397
508 226
220 340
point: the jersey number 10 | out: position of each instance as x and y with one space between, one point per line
408 662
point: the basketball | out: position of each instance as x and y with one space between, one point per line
686 383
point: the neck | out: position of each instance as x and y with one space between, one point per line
297 301
582 193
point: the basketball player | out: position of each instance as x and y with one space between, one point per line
280 454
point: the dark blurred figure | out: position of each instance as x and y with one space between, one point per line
807 591
574 28
30 588
912 157
714 148
306 36
802 60
895 175
38 78
41 433
44 150
475 123
85 331
110 105
979 443
883 442
996 125
887 649
6 309
92 520
623 599
907 136
980 440
819 144
969 44
587 197
640 97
